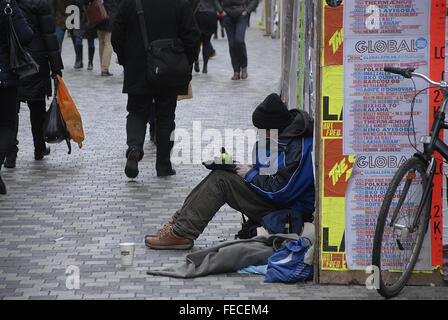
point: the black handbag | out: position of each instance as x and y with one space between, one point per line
55 128
20 61
167 63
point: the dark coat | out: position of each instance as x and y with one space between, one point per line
58 7
165 19
235 8
292 185
206 16
44 49
111 7
24 33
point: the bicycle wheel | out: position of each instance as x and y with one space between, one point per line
397 247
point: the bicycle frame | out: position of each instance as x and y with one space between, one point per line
434 144
431 144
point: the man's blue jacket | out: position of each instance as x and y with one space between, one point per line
292 184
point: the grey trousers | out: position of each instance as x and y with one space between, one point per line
217 189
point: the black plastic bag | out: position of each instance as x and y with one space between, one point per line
55 129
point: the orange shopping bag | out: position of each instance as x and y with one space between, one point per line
70 113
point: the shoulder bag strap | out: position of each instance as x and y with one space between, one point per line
197 8
141 18
8 12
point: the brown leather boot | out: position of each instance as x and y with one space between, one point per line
165 226
244 74
165 239
236 76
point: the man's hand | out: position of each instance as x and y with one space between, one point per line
244 13
242 169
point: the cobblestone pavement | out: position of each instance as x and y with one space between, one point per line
75 209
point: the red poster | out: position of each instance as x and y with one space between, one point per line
437 66
333 38
337 168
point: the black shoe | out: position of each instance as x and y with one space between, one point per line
91 55
2 187
10 162
152 134
204 69
106 74
196 66
78 65
39 155
172 172
131 169
78 54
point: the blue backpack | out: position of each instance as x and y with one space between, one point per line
287 265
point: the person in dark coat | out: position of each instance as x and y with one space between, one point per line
35 88
104 31
207 19
8 80
84 32
235 19
165 19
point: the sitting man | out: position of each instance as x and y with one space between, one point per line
251 190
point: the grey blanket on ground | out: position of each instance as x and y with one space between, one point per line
226 257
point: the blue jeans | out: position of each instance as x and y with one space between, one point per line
60 33
236 33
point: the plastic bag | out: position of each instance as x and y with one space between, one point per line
287 264
70 113
55 130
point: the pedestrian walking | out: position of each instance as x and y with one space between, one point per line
84 32
235 15
206 17
104 31
8 80
35 88
167 20
59 7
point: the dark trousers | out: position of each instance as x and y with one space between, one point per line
207 48
138 113
8 118
217 189
236 34
37 119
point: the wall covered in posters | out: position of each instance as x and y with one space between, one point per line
377 111
336 168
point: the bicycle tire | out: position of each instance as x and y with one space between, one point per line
413 164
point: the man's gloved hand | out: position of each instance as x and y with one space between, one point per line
242 169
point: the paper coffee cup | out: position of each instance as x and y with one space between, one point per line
127 251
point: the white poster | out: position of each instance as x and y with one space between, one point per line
377 103
368 184
377 112
386 17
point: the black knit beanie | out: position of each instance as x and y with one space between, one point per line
272 113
